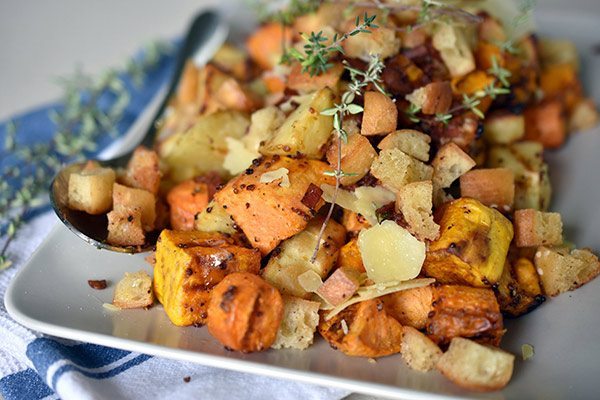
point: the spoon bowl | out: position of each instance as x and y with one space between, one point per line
204 36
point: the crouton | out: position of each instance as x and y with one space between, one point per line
357 157
584 116
433 98
494 187
265 44
411 142
292 259
380 115
449 164
464 311
381 41
90 190
126 198
503 128
267 212
545 123
414 201
303 82
340 286
562 270
134 291
536 228
142 171
125 227
418 351
394 169
189 265
299 323
350 257
410 307
454 49
476 367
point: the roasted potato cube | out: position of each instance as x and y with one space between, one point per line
267 212
350 257
134 291
125 198
303 82
90 190
472 246
418 351
536 228
380 115
305 130
125 227
410 307
584 116
494 187
186 200
395 169
299 323
415 202
503 128
142 170
357 157
202 148
263 124
214 218
189 265
562 270
545 123
245 312
518 290
293 257
411 142
364 330
265 44
454 49
463 311
340 286
476 367
433 98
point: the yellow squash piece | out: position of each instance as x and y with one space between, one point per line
472 247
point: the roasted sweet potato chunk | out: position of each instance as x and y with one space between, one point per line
264 46
245 312
462 311
190 198
545 123
364 329
410 307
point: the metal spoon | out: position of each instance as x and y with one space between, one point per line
205 35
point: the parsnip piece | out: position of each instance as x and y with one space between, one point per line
390 253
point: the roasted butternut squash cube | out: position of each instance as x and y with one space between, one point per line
518 290
472 247
463 311
350 257
269 212
189 264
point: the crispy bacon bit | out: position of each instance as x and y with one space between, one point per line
312 197
98 284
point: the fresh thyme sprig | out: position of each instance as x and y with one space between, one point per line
80 123
359 81
316 55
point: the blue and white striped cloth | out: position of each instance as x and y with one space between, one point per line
35 366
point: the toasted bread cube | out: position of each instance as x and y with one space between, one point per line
189 264
125 227
584 116
410 307
186 200
293 257
381 41
340 286
504 128
476 367
395 169
545 123
494 187
464 311
143 171
418 351
380 115
303 82
300 320
536 228
214 218
350 257
562 270
129 198
413 143
433 98
415 202
90 190
472 247
267 212
454 49
134 291
449 164
357 157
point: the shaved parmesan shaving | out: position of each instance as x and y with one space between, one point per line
310 281
238 157
344 327
374 291
281 173
364 200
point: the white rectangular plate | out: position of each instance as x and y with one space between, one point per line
51 295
